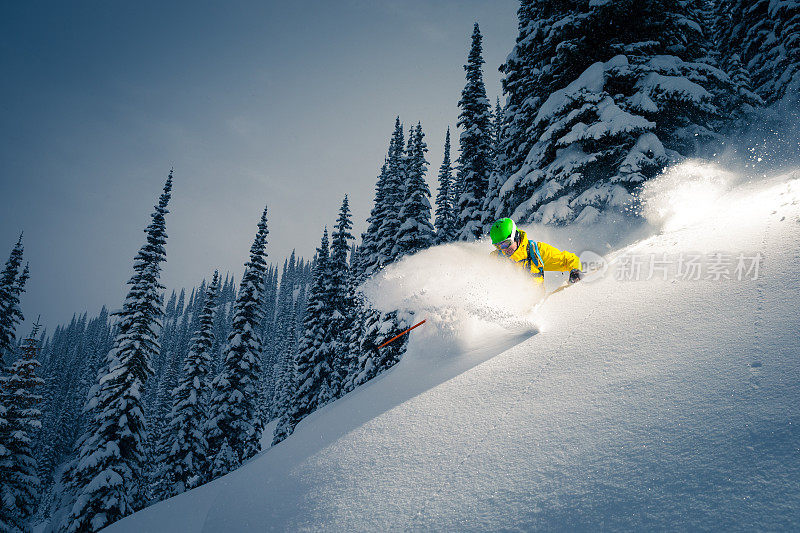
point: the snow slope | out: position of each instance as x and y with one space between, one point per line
660 403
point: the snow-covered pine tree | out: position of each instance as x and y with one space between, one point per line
313 362
416 231
491 201
522 93
167 325
225 460
159 415
169 309
786 14
19 483
234 412
368 260
341 306
155 394
646 103
374 254
370 329
354 255
475 160
731 25
764 36
71 359
53 396
100 334
393 192
444 197
107 480
268 340
7 516
285 341
547 56
287 384
303 285
12 285
187 458
222 321
198 302
19 288
497 131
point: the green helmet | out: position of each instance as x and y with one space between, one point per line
502 229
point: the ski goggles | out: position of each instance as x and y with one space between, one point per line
504 245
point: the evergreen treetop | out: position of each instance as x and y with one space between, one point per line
235 415
475 160
416 231
444 197
12 285
187 458
108 478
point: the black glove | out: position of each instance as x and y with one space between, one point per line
575 275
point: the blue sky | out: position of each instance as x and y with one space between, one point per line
288 104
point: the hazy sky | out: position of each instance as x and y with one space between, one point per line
288 104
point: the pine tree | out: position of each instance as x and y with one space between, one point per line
492 199
108 477
287 383
312 365
475 161
304 279
285 340
393 192
234 405
222 322
521 74
497 132
12 285
370 329
161 363
416 231
549 53
71 359
377 243
20 419
268 336
786 14
444 197
340 305
187 459
375 252
159 410
763 36
225 460
368 260
731 26
647 101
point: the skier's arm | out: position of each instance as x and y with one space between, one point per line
555 259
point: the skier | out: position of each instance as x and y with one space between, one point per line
532 255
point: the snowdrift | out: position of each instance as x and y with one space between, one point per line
662 392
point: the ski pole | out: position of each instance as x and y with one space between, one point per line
400 335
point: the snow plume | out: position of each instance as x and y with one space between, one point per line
466 294
685 194
688 193
463 292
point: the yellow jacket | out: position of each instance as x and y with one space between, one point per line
552 258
